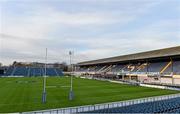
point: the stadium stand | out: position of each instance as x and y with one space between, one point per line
9 71
156 67
176 68
29 71
162 66
19 71
163 106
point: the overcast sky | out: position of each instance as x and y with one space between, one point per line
93 29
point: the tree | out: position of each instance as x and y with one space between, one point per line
62 65
14 63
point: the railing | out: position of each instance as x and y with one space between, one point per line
106 105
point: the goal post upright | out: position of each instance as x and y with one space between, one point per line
44 80
71 93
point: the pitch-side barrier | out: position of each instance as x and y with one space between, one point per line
94 107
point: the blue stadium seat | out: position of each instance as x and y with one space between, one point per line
9 71
176 67
117 68
20 71
156 67
164 106
28 71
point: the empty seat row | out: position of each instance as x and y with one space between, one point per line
29 71
152 67
164 106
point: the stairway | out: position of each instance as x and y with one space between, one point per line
164 68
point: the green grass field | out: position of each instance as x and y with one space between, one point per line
24 94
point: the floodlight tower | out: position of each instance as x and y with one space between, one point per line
71 94
44 80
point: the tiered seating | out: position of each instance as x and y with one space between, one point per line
167 68
176 67
156 67
174 111
36 72
24 71
133 67
98 68
127 68
92 69
59 72
51 72
18 71
117 68
143 68
103 68
164 106
9 71
83 69
108 68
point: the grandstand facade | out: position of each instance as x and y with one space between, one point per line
158 66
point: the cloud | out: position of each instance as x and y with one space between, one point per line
93 29
158 35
